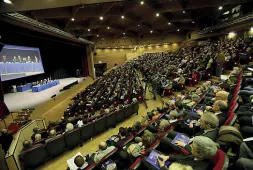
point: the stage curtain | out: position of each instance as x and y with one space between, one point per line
4 111
85 66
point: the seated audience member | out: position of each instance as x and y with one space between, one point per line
177 166
69 127
208 124
103 150
122 137
38 139
196 95
203 150
80 123
220 109
26 145
221 95
142 143
245 162
35 131
5 139
158 128
177 112
52 134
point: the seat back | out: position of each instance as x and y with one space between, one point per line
72 138
100 125
136 107
127 111
34 156
111 120
55 146
120 115
231 117
87 131
220 160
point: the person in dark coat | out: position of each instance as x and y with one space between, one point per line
5 140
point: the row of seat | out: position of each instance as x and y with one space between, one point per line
55 146
137 162
218 160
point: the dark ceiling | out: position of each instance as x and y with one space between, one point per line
139 19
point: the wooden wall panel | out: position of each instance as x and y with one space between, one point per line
111 56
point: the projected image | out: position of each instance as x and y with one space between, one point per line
17 62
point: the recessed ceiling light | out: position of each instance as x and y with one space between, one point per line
138 25
193 22
183 11
72 19
122 17
231 34
142 2
124 33
169 23
89 30
220 8
108 28
101 18
178 30
8 1
97 35
151 31
157 14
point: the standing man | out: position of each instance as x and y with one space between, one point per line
154 86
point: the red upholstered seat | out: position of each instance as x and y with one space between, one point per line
220 160
231 117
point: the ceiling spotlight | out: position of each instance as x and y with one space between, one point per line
101 18
8 1
169 23
72 19
151 31
183 11
157 14
178 30
122 17
193 22
108 28
97 35
124 33
142 2
220 8
138 25
231 34
88 30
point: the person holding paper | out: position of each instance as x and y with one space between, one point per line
203 151
208 124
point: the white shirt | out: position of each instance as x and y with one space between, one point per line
80 123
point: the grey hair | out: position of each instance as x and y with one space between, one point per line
69 127
164 124
37 137
205 146
52 133
211 119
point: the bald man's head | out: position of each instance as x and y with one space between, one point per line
102 146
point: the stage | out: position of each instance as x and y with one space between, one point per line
28 99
